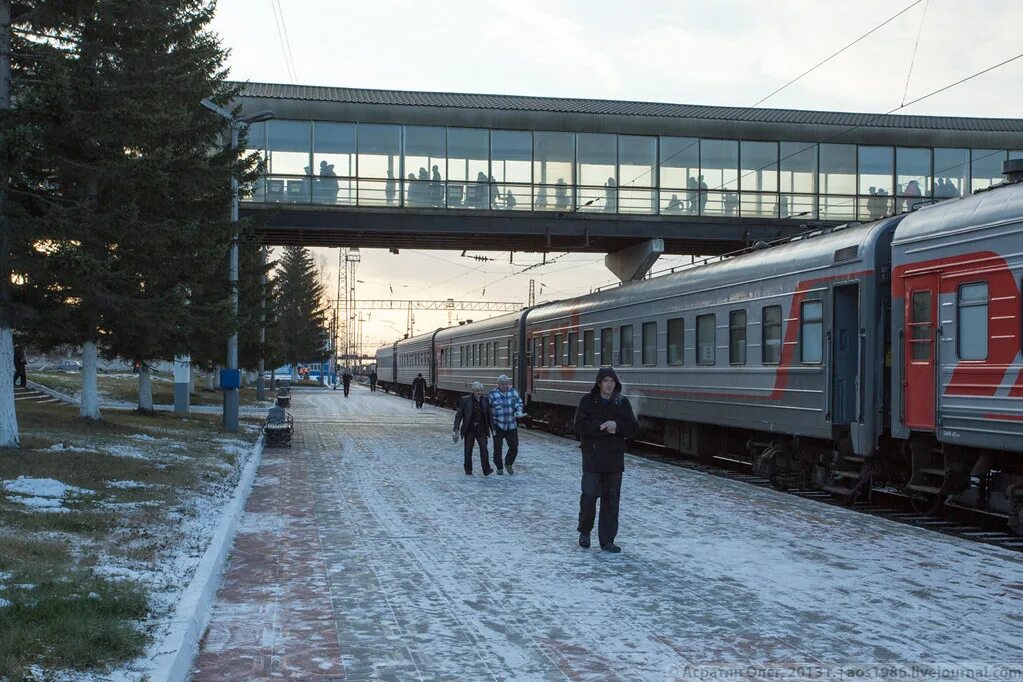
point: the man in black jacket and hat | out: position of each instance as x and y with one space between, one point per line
419 390
472 423
603 420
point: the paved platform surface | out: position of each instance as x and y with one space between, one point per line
366 553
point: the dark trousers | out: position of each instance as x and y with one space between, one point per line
347 387
607 487
473 436
372 387
19 371
419 401
512 437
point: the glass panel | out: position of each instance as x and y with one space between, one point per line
797 206
837 169
553 158
876 184
771 332
838 208
759 166
424 155
951 172
705 341
512 156
986 167
637 161
737 337
637 201
379 157
676 336
759 205
625 345
920 326
679 169
973 321
468 168
573 349
588 354
912 175
649 343
558 356
543 352
255 143
811 342
597 158
799 167
334 156
606 346
719 173
1016 154
290 144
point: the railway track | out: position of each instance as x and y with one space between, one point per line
963 522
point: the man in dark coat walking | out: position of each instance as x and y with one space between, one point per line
472 423
346 381
419 390
603 420
19 366
373 381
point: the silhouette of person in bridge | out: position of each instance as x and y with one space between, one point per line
731 202
561 195
437 187
423 188
541 199
413 190
674 206
509 199
783 206
328 182
703 196
611 196
390 189
478 192
693 194
912 194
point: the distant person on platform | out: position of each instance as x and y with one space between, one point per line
19 366
419 390
373 381
505 405
472 424
603 420
346 381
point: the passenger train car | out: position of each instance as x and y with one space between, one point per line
880 352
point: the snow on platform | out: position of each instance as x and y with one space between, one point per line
366 553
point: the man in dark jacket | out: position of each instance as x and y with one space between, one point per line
346 381
603 420
472 423
19 366
373 381
419 389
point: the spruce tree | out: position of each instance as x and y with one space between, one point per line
302 312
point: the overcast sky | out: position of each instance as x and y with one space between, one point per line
723 52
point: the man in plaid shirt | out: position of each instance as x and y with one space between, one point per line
505 403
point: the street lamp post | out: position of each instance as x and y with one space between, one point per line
230 380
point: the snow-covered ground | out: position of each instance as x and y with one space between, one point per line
366 553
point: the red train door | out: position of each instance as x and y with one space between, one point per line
921 351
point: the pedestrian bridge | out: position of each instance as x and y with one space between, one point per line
379 168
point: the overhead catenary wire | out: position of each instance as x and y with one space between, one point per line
287 40
916 45
284 48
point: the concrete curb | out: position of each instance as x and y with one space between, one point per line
177 650
247 410
64 398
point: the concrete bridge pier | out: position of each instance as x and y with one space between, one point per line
633 262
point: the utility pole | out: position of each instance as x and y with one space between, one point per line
260 384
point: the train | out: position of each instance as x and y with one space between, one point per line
880 353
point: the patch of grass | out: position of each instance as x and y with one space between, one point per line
62 616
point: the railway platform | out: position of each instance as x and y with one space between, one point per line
365 553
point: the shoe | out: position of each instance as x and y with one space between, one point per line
611 547
510 472
488 472
468 473
584 540
500 472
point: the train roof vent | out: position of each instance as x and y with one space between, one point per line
846 253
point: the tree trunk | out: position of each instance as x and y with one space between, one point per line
90 386
145 391
215 378
294 371
273 379
191 381
8 415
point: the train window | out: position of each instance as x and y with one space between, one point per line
588 351
649 343
461 356
973 321
737 337
625 345
543 351
770 330
558 356
573 349
920 324
811 331
607 335
706 343
676 341
487 355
